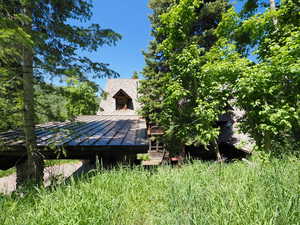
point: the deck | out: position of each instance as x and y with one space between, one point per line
85 136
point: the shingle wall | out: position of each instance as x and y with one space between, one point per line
108 106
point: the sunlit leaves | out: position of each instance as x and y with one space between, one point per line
192 95
269 90
81 98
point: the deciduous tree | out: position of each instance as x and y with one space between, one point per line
189 99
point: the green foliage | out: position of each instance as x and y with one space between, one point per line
187 99
50 103
269 90
151 89
135 75
57 48
238 193
12 36
143 156
198 67
81 98
55 42
10 108
4 173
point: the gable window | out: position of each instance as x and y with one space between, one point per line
123 100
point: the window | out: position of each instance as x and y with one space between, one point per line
123 101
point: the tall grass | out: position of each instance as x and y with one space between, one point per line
197 193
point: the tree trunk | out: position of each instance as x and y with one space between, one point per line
267 142
273 8
33 169
217 151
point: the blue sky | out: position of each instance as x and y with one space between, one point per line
130 19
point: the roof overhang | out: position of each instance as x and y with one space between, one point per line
87 135
121 92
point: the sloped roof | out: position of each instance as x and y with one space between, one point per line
113 86
120 93
80 138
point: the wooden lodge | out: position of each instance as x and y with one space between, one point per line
115 133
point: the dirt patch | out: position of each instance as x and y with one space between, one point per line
51 174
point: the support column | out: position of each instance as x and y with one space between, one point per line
89 164
25 171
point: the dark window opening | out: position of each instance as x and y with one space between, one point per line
123 101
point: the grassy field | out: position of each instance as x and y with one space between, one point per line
197 193
4 173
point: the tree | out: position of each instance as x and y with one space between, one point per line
269 90
50 103
204 49
12 36
58 103
151 89
186 101
54 52
81 98
135 75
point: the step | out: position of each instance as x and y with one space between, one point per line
155 154
156 148
151 162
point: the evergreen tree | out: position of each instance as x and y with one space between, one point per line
151 88
53 51
12 36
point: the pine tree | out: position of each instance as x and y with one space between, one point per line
53 51
151 88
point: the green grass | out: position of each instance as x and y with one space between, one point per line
4 173
198 193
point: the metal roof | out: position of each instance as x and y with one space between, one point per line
85 131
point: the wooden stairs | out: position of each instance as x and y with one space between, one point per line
157 153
